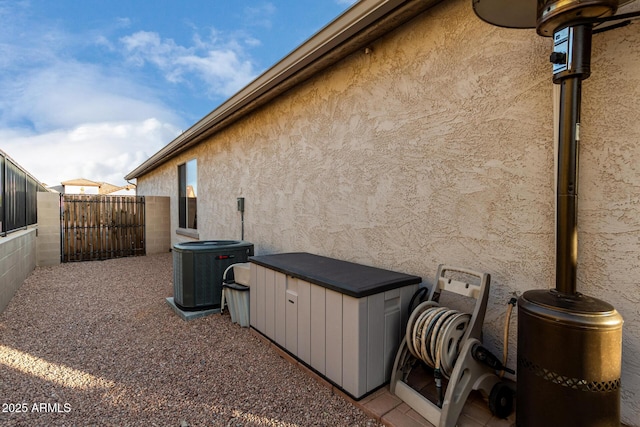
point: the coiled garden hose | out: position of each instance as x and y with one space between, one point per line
433 335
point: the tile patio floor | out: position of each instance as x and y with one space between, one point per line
393 412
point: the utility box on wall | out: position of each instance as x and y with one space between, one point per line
343 320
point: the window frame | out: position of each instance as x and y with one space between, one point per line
188 206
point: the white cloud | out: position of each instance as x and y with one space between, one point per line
67 119
97 151
61 118
71 108
259 16
67 94
221 64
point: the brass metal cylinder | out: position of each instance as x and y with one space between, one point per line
555 14
569 361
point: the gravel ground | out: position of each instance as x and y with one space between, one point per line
95 343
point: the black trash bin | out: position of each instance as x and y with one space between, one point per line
198 268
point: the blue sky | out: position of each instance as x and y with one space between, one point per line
93 88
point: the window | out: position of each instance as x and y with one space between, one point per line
188 195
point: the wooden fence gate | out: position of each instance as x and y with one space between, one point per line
97 227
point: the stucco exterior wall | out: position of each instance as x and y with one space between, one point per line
437 147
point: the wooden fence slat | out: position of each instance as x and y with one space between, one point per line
94 230
70 235
65 231
101 222
74 237
96 227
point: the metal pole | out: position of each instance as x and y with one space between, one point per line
568 146
567 187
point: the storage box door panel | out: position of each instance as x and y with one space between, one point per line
392 326
270 304
291 313
260 304
318 328
304 321
281 307
334 336
375 341
253 299
354 345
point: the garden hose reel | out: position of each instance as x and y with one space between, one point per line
449 341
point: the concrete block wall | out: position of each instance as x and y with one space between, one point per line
157 224
48 241
17 261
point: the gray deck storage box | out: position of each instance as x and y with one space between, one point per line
343 320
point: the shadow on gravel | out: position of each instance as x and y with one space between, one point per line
95 343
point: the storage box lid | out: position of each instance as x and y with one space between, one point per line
348 278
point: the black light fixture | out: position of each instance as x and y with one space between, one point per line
569 344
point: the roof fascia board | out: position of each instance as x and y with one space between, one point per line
354 20
82 182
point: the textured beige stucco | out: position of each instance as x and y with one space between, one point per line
437 147
609 216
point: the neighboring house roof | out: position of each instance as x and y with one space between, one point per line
364 22
56 189
107 188
103 187
82 182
